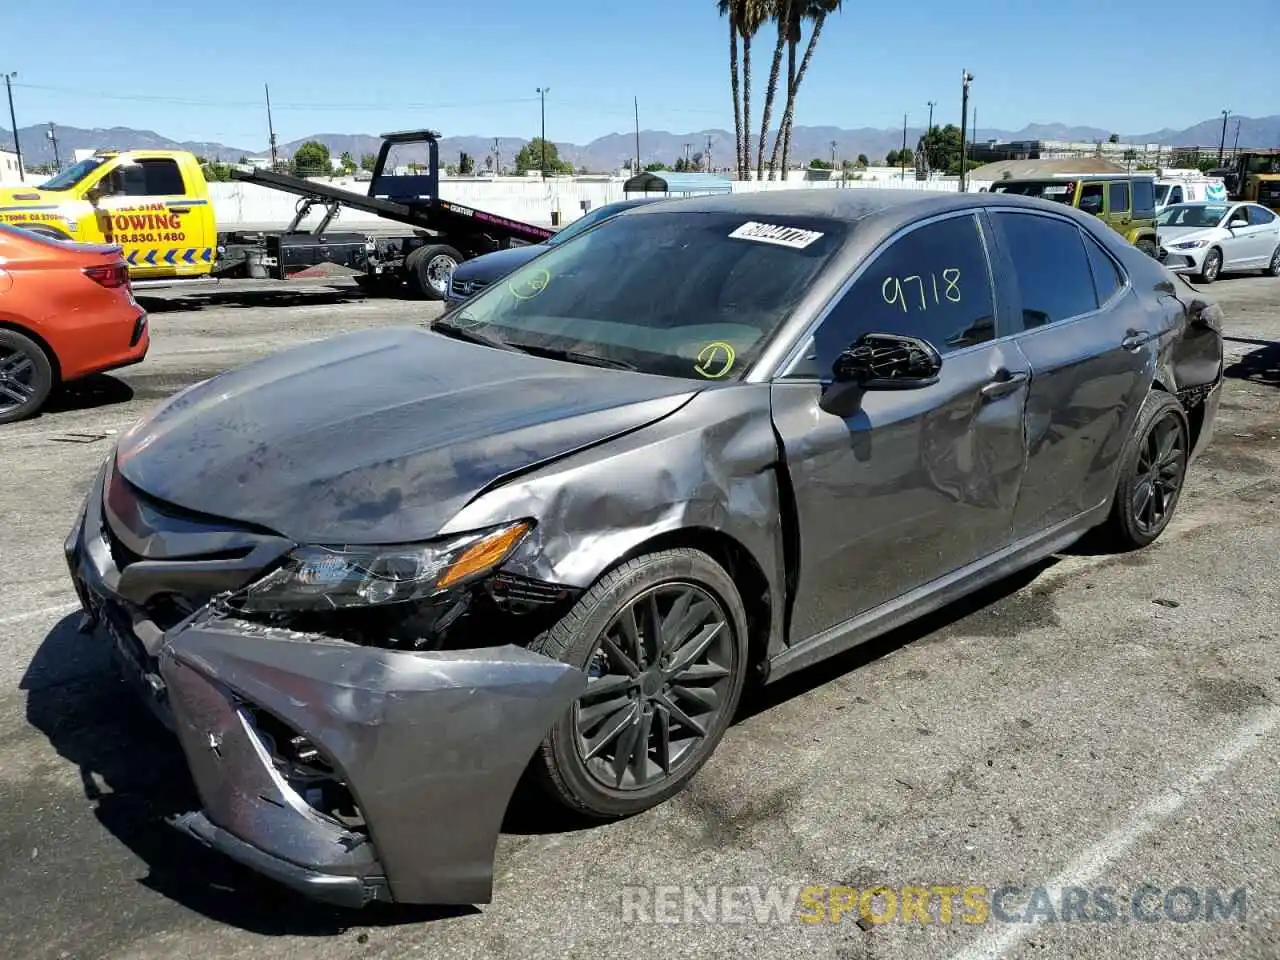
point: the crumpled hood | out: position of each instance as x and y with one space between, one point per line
380 436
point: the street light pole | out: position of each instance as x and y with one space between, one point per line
966 78
542 94
1222 146
931 106
1235 150
53 138
13 122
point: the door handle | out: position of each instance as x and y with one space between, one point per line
1136 338
1005 383
179 209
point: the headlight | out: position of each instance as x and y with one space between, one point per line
327 578
1190 244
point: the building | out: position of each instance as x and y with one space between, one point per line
10 172
1138 154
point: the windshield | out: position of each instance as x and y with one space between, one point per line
687 295
69 177
1198 215
1062 191
1269 192
585 222
1162 193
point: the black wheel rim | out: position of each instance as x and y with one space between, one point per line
17 378
659 681
1162 460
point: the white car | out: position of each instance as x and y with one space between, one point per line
1207 239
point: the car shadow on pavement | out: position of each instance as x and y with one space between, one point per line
1257 366
134 776
96 390
820 674
188 303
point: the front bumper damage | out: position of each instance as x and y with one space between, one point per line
429 745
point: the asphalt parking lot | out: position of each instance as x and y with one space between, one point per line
1098 722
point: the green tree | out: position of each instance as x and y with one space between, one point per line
864 161
311 160
941 148
530 158
348 164
818 164
368 161
655 167
1114 138
466 165
891 158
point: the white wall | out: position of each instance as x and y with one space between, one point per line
9 170
532 201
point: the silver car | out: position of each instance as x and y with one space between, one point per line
1209 239
372 580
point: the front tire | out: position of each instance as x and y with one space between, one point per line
429 269
1148 247
26 376
663 639
1152 473
1212 268
1274 269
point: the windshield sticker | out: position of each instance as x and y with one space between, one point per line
899 291
1055 189
526 288
782 236
715 360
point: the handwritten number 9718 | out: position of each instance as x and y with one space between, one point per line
904 291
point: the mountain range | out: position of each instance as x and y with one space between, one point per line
611 151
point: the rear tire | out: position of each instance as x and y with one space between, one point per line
663 638
26 376
1153 471
1274 269
1212 268
429 268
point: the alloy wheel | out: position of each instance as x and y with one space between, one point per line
1213 266
440 272
1274 269
1162 464
17 378
659 681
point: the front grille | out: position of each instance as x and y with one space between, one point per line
465 288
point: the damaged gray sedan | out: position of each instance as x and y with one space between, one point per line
370 581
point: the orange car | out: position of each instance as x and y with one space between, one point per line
66 311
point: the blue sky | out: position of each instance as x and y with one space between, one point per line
473 67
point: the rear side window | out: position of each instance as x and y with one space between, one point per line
1260 215
1144 198
1091 198
148 178
1054 278
1118 197
1106 275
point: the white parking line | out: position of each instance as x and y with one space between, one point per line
1091 862
42 612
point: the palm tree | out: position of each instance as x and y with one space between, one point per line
781 13
728 8
817 12
745 20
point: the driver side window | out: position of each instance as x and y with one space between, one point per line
933 283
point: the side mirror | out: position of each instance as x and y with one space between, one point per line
888 361
1240 221
96 192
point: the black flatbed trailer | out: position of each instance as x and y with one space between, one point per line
443 233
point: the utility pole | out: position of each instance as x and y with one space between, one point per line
542 93
637 102
1235 150
686 155
271 131
966 78
931 106
1222 146
53 138
497 156
710 168
833 154
13 122
902 157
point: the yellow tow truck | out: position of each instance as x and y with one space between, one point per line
156 205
